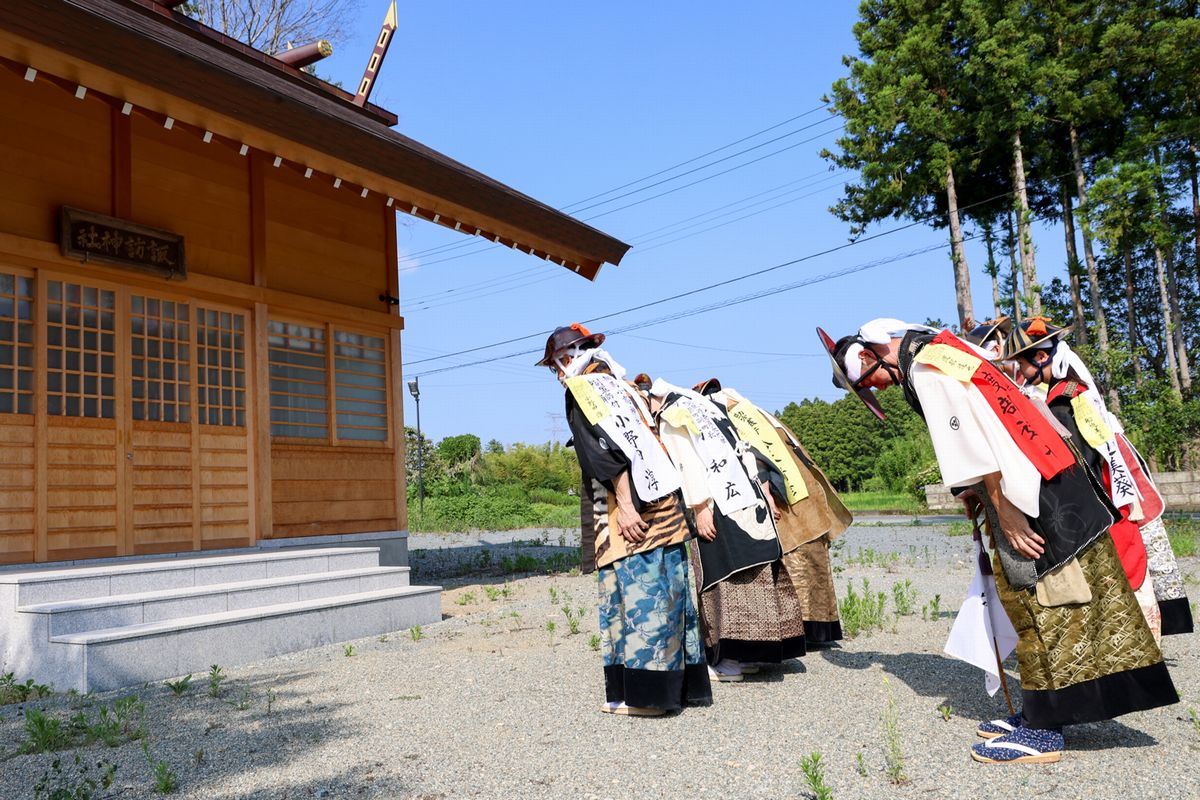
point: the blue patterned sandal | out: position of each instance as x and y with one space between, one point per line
999 727
1022 746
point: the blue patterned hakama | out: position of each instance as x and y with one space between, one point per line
650 632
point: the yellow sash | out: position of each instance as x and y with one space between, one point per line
950 360
1091 424
756 429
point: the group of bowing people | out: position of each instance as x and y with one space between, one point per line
709 525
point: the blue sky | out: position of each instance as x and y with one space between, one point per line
564 101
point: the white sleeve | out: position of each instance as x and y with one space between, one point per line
683 454
958 439
970 441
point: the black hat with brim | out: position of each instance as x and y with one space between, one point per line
840 378
984 331
1029 335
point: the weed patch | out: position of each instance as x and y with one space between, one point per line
1184 535
958 528
165 779
74 782
893 753
814 775
13 692
904 596
215 678
861 613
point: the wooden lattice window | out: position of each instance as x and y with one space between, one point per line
161 359
360 386
80 347
16 344
221 367
299 383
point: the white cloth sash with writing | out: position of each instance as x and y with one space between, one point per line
609 403
724 471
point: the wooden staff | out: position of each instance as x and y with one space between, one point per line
1003 677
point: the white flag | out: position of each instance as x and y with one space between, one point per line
982 627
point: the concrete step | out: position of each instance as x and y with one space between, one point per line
128 655
36 586
95 613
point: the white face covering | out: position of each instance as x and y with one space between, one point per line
852 362
581 358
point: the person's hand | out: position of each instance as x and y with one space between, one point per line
1016 529
775 515
631 525
705 527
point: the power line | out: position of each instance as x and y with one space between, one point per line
720 304
725 349
697 158
690 292
636 181
736 278
739 219
643 237
471 292
735 167
714 175
713 163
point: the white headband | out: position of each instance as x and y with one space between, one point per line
884 329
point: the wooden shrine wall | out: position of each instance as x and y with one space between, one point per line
268 251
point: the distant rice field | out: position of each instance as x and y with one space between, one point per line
887 502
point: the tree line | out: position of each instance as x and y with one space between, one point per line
982 117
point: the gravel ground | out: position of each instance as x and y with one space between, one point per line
491 704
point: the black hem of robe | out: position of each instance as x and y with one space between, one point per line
758 652
669 690
819 633
1176 616
1099 699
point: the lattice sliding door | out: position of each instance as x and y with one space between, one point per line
223 454
83 482
161 411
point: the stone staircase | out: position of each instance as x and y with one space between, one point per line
94 628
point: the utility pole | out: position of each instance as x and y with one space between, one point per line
555 425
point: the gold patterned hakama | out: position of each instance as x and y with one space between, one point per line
1090 661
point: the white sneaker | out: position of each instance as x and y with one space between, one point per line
725 671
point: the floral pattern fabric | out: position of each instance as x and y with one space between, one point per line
648 618
1160 561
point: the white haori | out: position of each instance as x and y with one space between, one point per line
613 406
970 441
725 474
982 629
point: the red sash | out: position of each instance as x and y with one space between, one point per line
1032 432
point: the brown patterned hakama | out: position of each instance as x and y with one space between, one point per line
751 616
812 578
